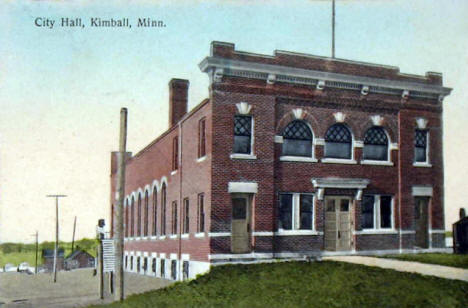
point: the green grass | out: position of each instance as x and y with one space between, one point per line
16 253
434 258
16 258
302 284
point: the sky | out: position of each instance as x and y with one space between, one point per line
61 89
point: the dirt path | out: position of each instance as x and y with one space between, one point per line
407 266
73 289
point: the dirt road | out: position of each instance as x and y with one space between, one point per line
77 288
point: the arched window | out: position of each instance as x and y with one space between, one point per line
338 142
155 210
297 139
132 218
163 209
126 218
139 216
375 144
146 213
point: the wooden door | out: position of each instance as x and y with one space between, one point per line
421 222
337 223
344 228
240 236
330 224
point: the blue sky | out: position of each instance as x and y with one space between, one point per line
61 89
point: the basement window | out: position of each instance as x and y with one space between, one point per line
174 269
163 268
296 211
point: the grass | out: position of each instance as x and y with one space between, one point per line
302 284
446 259
16 253
16 258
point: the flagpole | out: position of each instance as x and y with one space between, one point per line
333 28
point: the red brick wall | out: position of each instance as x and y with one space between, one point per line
155 162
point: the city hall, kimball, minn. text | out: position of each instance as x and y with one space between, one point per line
97 22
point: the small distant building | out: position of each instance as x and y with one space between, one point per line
460 234
48 259
79 259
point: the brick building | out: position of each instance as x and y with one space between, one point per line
291 155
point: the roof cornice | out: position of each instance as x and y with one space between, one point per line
217 67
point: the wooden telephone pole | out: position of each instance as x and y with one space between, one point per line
118 209
73 237
37 248
56 232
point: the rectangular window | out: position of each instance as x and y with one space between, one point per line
367 212
174 269
201 213
186 215
185 269
376 212
175 153
306 206
163 218
296 211
420 146
163 268
242 134
174 217
201 138
153 265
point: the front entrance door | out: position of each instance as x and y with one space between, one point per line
421 221
337 223
240 238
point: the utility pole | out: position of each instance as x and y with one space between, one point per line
73 237
333 28
37 248
56 232
118 209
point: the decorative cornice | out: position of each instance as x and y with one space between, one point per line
218 67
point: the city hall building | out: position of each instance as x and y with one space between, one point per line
291 155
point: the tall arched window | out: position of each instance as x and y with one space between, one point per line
338 142
145 233
132 219
139 216
375 144
163 209
126 218
297 139
155 210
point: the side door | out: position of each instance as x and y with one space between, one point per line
240 224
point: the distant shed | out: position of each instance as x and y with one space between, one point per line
48 259
79 259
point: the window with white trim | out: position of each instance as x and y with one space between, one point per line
242 134
420 146
376 212
297 139
296 211
375 144
338 142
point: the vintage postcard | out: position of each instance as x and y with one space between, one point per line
261 153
